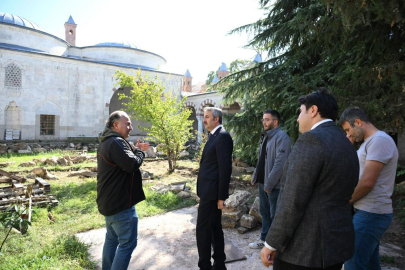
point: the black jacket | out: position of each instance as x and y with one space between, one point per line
119 180
216 167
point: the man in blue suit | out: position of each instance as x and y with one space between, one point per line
213 188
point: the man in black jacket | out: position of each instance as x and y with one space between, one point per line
213 188
119 188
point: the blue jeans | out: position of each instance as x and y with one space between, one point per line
369 228
268 204
122 232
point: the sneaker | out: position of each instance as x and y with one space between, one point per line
257 244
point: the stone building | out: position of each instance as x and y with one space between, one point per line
53 90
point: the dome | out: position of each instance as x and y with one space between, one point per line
117 44
16 20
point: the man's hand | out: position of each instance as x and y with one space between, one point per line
251 181
221 204
267 256
142 146
266 190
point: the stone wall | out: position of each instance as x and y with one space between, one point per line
78 93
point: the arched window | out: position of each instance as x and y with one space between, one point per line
13 76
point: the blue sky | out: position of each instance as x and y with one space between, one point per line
189 34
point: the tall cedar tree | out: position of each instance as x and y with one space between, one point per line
354 48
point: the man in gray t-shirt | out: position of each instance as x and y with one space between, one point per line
378 157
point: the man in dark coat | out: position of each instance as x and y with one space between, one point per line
119 188
313 224
213 188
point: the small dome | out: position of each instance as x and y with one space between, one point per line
117 44
13 19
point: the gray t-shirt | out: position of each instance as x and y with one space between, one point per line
379 147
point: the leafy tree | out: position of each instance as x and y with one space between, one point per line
210 77
354 48
164 116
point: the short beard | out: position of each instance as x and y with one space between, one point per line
359 134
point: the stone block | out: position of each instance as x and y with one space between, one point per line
83 173
145 175
184 153
24 151
242 230
228 222
248 221
38 150
40 172
53 161
35 145
5 164
62 161
237 215
39 160
184 194
27 164
250 170
240 197
255 210
238 169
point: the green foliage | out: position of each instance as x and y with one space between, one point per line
204 139
238 65
354 48
387 259
400 170
15 217
210 77
52 245
165 116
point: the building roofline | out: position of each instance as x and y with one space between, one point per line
118 47
70 45
38 31
200 94
84 60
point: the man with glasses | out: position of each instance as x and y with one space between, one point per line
275 146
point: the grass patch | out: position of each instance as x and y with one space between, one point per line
52 245
387 259
159 203
20 158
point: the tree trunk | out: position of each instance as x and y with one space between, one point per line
170 160
5 238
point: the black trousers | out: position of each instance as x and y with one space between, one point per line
209 231
281 265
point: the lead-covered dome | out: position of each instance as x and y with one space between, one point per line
13 19
116 44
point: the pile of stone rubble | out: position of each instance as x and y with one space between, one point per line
239 214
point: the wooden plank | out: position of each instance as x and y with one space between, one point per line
8 180
14 177
42 183
17 185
